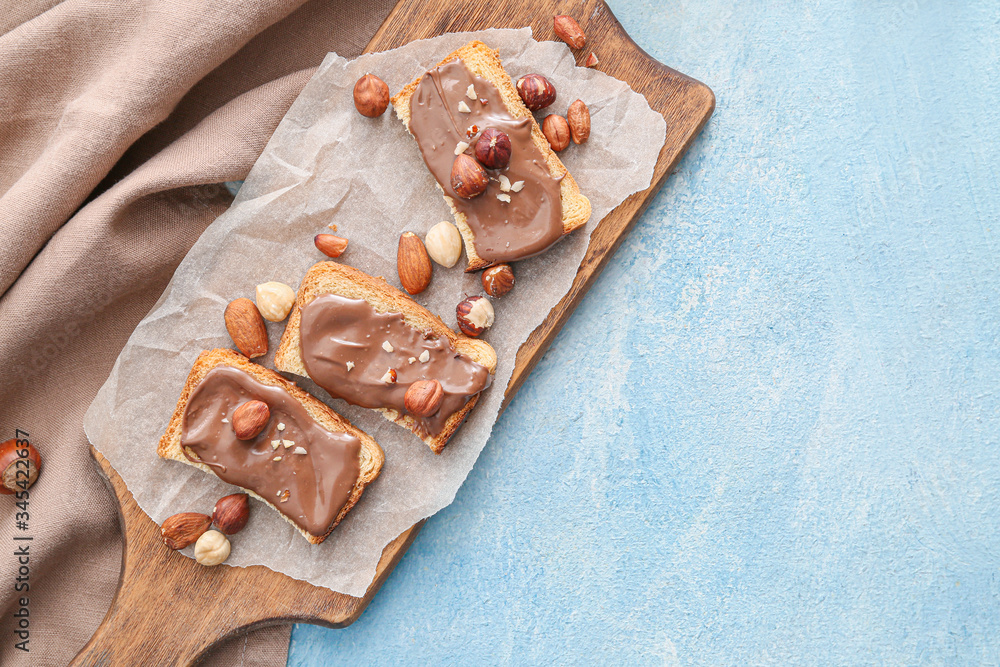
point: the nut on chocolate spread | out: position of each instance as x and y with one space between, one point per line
348 348
503 231
315 471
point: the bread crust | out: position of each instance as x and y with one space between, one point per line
485 62
346 281
372 457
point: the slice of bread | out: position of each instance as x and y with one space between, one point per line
372 457
485 62
348 282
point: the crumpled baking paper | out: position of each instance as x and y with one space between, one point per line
328 164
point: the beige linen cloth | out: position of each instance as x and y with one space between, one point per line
118 121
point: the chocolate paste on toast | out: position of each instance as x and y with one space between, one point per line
348 347
532 220
309 487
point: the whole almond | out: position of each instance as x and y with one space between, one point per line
578 118
231 513
569 31
246 327
556 130
250 419
184 529
423 398
413 263
330 245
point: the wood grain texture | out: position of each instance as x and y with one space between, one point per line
169 610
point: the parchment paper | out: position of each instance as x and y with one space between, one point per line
328 164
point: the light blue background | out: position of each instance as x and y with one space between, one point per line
769 433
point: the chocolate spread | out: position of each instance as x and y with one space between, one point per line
532 220
348 347
311 481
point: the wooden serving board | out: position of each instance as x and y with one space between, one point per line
168 609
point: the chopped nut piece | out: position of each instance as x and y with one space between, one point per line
387 346
503 197
281 426
412 360
276 458
283 496
470 92
299 450
425 356
350 365
463 107
461 147
592 60
287 443
225 421
517 186
504 183
390 376
275 443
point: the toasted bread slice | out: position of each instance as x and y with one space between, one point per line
334 278
485 62
372 457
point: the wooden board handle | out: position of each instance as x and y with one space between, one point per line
171 625
169 610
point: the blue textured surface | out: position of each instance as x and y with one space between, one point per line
769 434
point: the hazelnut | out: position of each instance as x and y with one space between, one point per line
493 148
468 178
212 548
231 513
20 464
475 315
184 529
536 92
423 398
569 31
556 130
371 96
413 264
330 245
498 280
275 300
444 244
578 119
250 419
